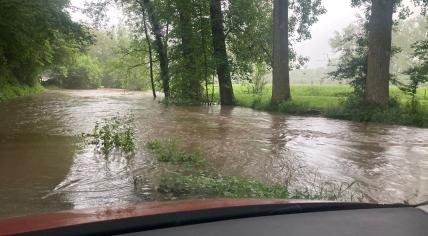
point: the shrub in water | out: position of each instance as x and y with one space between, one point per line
115 133
182 183
228 186
168 151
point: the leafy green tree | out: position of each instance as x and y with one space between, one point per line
290 18
113 60
188 76
83 73
351 65
161 45
352 47
220 53
122 59
248 26
184 30
419 72
380 45
35 36
405 34
240 32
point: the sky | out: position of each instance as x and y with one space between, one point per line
339 15
114 15
77 15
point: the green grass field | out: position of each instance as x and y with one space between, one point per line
315 97
332 101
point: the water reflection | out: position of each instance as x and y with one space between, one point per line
285 164
31 165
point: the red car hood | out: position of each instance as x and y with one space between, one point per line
62 219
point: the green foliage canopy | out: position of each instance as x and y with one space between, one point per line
36 35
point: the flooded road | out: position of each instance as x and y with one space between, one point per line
43 168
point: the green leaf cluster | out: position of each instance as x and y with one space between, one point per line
115 133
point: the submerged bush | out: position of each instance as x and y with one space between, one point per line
237 187
205 182
168 151
331 191
115 133
234 187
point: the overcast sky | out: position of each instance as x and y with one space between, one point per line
339 15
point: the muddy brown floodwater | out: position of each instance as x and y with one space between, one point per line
42 167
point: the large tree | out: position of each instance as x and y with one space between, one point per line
379 53
191 51
160 45
291 18
281 71
220 53
380 45
187 52
418 73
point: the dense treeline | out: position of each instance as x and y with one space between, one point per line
36 36
120 68
185 47
109 63
197 43
368 62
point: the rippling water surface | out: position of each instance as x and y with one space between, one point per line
43 168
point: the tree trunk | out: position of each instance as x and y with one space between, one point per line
149 44
160 47
204 46
379 56
190 73
220 54
281 70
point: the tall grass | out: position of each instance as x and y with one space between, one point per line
9 91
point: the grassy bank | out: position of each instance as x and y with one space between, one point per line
332 101
9 91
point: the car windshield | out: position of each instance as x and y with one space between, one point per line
120 102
